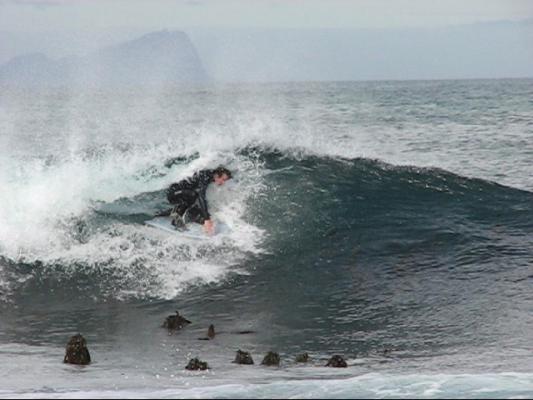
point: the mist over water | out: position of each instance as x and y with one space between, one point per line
364 216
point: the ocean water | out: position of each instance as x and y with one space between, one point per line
389 222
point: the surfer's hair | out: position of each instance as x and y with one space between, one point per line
222 171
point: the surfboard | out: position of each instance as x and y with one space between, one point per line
192 230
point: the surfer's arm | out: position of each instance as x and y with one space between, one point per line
204 178
208 223
203 203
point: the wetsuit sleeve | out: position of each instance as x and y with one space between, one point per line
205 179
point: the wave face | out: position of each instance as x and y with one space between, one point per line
364 217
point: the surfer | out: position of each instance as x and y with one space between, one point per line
188 198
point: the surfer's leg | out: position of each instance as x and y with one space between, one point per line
179 205
182 201
194 214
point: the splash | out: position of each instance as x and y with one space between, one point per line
85 213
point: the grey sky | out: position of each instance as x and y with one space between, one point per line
47 15
293 39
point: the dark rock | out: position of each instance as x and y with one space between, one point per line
211 332
271 359
302 358
336 362
243 357
244 332
77 352
175 322
196 365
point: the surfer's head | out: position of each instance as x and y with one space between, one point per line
221 175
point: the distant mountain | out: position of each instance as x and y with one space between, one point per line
32 69
154 59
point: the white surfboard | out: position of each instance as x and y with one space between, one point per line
192 230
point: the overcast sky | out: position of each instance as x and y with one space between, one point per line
292 39
46 15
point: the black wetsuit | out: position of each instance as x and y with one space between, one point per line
188 196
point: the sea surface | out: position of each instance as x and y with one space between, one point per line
387 222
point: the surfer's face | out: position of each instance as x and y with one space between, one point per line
221 179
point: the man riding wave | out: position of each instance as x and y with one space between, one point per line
189 198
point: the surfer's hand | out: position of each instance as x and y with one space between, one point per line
209 227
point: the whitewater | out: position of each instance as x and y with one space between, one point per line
390 222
